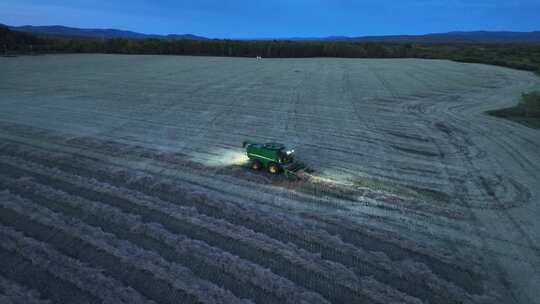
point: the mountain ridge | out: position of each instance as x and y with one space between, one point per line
60 30
480 36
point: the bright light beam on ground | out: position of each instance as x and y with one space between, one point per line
222 158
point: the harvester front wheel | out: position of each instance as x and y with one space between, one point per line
273 168
256 165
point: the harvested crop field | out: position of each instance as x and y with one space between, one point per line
122 181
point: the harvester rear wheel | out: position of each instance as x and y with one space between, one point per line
256 165
273 168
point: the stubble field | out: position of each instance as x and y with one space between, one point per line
122 181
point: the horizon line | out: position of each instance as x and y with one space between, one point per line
273 38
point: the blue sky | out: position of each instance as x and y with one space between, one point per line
278 18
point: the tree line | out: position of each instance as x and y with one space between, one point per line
519 56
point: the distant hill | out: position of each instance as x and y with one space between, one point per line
450 37
58 30
460 37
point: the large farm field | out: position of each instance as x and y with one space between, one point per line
122 180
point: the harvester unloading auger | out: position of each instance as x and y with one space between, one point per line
275 158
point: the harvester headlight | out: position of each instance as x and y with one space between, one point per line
290 152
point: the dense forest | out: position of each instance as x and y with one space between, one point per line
519 56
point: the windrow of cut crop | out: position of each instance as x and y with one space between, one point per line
168 189
12 292
468 275
68 269
362 262
332 280
146 271
247 278
25 272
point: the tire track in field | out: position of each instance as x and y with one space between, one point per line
419 114
454 135
522 237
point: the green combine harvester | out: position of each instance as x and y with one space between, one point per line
273 157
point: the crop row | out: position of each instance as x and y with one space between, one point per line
361 261
179 161
168 189
14 293
330 279
146 271
68 269
195 254
31 276
274 224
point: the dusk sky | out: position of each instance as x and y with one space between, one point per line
278 18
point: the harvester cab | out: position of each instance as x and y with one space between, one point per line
273 157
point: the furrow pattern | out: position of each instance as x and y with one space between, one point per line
240 276
332 280
25 272
362 262
12 292
167 188
90 280
147 272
